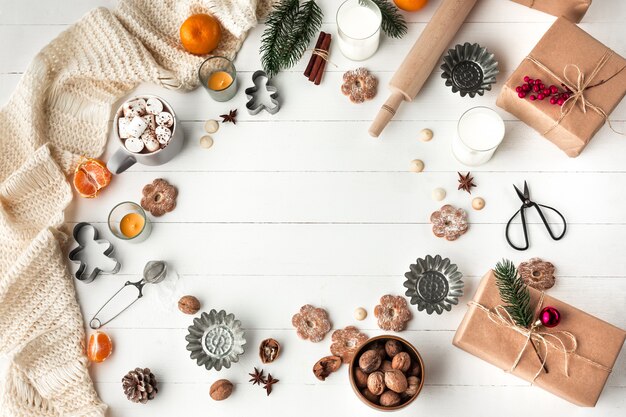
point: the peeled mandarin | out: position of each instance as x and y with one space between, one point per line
99 347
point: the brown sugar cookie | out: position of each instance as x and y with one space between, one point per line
345 343
449 222
537 273
393 313
359 85
159 197
311 323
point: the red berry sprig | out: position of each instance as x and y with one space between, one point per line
536 90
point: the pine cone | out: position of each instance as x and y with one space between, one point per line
140 385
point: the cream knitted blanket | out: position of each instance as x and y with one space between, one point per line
60 111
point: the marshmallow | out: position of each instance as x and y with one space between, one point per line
163 134
165 119
134 108
150 121
136 127
154 106
134 145
151 144
122 127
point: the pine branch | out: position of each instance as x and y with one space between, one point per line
289 29
393 23
278 25
514 293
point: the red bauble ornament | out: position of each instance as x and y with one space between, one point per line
550 317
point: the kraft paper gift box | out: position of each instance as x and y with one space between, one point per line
572 10
598 345
562 54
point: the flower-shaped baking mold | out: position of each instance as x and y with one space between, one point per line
215 340
469 69
434 284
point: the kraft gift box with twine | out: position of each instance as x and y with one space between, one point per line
596 75
579 353
572 10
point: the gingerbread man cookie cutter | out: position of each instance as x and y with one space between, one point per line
81 273
255 95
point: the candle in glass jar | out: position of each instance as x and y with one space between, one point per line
479 132
219 80
132 224
358 24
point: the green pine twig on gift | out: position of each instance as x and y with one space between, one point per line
514 293
289 29
393 23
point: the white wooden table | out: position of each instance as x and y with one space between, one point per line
304 207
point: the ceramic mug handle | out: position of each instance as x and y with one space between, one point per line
120 162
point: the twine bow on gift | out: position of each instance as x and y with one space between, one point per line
578 87
558 340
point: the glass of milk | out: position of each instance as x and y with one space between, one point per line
358 26
479 132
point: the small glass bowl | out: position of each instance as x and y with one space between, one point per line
117 214
215 64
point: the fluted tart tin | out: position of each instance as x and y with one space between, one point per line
434 284
215 340
469 69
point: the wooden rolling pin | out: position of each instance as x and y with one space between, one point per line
421 60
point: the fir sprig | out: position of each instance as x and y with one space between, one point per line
514 293
289 29
393 23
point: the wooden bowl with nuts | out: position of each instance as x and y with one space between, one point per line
387 373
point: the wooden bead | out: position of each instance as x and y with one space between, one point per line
416 165
425 135
478 203
438 194
206 141
360 313
211 126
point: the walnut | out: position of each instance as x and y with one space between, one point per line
401 361
221 389
269 350
311 323
376 382
346 342
415 370
369 361
389 399
380 348
395 381
370 397
386 365
189 304
393 313
360 378
393 347
413 383
326 366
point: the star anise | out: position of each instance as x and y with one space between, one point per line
268 383
257 377
466 182
230 117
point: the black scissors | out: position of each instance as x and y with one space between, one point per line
527 203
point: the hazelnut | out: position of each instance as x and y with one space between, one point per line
401 361
415 370
386 366
189 304
369 361
326 366
395 381
389 399
393 347
360 378
221 389
376 383
411 390
370 397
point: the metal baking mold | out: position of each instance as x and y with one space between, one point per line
434 284
261 83
73 256
469 69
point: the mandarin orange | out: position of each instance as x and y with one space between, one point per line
410 5
200 34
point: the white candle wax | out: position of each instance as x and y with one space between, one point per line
480 131
359 29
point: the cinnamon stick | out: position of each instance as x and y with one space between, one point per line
326 48
318 61
318 44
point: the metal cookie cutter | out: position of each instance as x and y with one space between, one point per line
255 94
82 266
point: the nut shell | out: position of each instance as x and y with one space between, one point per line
395 381
360 378
392 348
376 383
221 389
370 361
370 397
386 366
269 350
189 304
413 384
402 362
326 366
389 399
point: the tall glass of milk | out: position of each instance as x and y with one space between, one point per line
479 132
358 26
